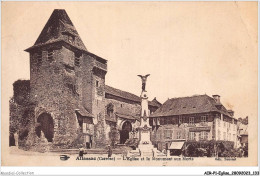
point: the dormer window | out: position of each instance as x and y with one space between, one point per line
50 56
71 39
69 36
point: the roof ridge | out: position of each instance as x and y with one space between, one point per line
189 105
123 91
58 23
196 95
129 95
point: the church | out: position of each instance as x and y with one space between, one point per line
66 103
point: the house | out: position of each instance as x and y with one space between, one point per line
242 134
195 118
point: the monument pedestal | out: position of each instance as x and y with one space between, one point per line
145 146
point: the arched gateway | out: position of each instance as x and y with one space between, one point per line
45 124
124 133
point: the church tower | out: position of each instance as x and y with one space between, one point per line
67 86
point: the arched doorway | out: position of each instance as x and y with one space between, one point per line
45 124
124 133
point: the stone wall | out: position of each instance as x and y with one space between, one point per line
124 107
58 86
53 91
174 126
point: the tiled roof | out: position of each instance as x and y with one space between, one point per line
83 112
156 102
125 116
59 24
127 95
189 105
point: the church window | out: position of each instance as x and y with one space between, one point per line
97 83
50 55
77 59
73 88
110 109
39 58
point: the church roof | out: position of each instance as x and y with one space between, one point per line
156 102
189 105
127 95
59 28
83 112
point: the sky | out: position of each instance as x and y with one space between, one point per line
189 48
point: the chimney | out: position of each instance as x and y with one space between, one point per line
231 112
216 98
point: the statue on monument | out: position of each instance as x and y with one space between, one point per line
144 79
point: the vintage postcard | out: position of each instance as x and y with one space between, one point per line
129 84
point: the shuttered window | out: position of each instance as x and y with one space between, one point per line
203 135
180 120
178 135
203 119
191 120
168 133
192 135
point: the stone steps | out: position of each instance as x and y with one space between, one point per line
88 151
147 153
